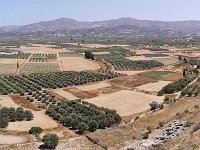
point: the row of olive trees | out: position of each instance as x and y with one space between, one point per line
11 115
81 116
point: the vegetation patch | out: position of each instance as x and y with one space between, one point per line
81 116
156 75
175 86
11 115
121 63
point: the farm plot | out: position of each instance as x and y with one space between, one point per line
64 94
131 81
69 78
100 53
43 57
155 55
39 48
16 84
134 58
69 54
40 119
153 87
175 86
31 68
78 64
121 63
9 66
81 115
18 55
143 51
93 86
125 102
167 60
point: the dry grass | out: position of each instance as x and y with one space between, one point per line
116 136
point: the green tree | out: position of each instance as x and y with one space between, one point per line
82 127
20 113
93 126
28 115
50 140
4 122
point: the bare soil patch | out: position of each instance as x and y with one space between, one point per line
65 94
143 51
167 60
131 81
39 48
130 72
154 87
93 86
23 102
138 58
174 77
10 139
100 53
82 94
125 102
78 64
9 66
40 120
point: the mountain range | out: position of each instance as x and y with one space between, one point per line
65 24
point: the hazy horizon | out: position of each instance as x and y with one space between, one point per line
22 12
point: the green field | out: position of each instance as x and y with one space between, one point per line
156 74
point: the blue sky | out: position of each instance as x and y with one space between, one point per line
20 12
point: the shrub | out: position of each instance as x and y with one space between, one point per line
154 105
50 140
196 127
35 130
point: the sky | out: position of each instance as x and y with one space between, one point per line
21 12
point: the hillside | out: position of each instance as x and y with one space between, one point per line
65 24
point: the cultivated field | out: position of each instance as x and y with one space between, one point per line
40 119
153 87
137 58
167 60
93 86
65 94
9 66
125 102
77 64
143 51
39 48
44 67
